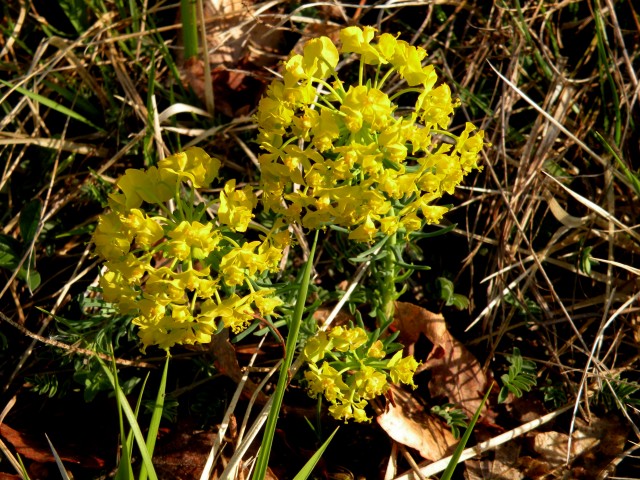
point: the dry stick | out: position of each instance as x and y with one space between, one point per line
16 31
441 465
208 467
596 343
619 175
627 61
7 453
69 348
208 84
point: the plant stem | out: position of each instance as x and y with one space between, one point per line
189 28
388 284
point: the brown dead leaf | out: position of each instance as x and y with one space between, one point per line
226 363
408 424
39 451
501 464
455 372
596 442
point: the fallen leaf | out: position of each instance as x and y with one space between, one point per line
39 451
226 362
502 464
455 372
408 424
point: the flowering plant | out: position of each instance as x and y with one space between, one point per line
343 154
175 271
349 368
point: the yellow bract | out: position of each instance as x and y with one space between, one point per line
348 373
342 154
170 272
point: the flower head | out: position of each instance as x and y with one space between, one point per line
331 147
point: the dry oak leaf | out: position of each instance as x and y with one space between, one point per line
455 372
407 423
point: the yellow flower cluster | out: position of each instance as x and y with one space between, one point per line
344 155
349 370
177 273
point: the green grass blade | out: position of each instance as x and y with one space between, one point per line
448 473
61 469
304 473
265 449
47 102
131 418
156 416
632 177
125 471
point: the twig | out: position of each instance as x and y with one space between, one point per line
72 349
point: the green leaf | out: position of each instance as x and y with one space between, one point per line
47 102
304 473
458 301
29 220
156 416
61 469
520 378
446 288
9 252
448 473
32 278
262 462
131 418
76 12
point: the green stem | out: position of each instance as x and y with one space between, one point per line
189 28
388 286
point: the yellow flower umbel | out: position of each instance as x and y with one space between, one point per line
177 272
343 155
348 368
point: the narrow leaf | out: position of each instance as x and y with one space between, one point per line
47 102
304 473
29 220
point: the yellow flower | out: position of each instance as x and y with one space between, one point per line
116 289
151 186
436 106
370 382
164 290
347 410
192 240
326 381
236 206
274 115
407 60
194 164
130 267
469 147
345 339
320 57
316 347
401 370
146 230
358 40
376 350
234 311
111 238
240 260
365 231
